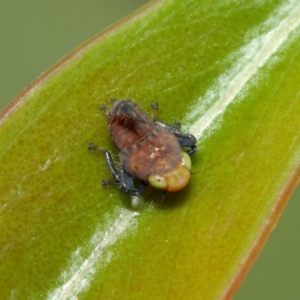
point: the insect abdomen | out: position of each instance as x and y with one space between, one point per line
158 152
128 123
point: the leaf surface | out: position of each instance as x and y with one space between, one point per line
229 73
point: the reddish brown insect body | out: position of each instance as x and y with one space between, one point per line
149 151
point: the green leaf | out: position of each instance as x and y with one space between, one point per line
229 73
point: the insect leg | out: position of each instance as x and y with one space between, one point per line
109 182
109 160
104 107
177 125
185 139
127 184
154 106
123 179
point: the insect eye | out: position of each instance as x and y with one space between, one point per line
157 181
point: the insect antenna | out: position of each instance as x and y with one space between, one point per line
214 165
159 203
162 198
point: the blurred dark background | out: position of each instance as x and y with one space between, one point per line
36 34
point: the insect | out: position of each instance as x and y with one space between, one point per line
150 150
